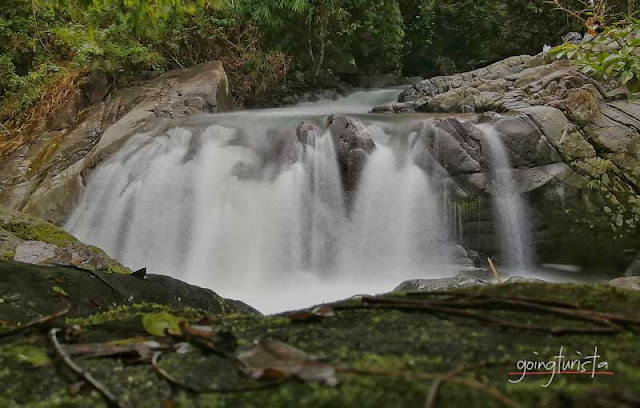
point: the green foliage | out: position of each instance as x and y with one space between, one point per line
49 44
613 55
447 36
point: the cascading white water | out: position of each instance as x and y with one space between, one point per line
510 208
230 202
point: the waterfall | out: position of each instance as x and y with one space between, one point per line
235 203
510 208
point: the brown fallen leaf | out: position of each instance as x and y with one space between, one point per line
269 359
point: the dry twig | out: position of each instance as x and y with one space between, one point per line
80 372
456 308
494 270
36 322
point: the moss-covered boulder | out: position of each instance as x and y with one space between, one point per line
383 356
28 291
29 239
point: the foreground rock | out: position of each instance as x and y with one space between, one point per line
380 357
43 177
27 291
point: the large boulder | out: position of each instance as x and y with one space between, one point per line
27 290
43 178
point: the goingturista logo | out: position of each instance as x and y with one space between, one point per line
561 365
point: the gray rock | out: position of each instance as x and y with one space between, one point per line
520 279
307 131
631 283
35 252
353 143
431 285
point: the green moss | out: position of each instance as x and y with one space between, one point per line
126 312
39 231
25 353
113 266
8 256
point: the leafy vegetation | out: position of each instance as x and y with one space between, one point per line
48 48
613 55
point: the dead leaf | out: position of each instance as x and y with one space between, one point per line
271 359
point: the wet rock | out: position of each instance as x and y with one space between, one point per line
307 132
353 143
520 279
430 285
58 161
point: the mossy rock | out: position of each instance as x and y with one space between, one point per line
374 340
28 291
17 227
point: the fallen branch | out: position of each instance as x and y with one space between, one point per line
604 319
85 375
39 321
430 402
494 270
606 327
454 293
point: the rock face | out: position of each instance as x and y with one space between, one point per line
28 239
575 154
44 177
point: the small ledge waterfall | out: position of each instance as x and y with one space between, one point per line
235 203
510 208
